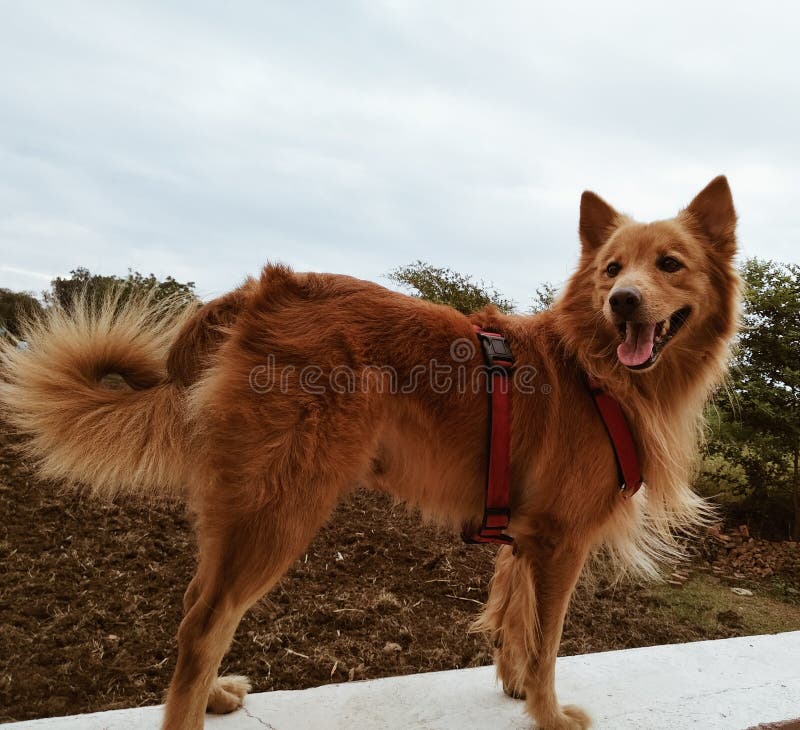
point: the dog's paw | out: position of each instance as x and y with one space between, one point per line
571 718
227 694
516 694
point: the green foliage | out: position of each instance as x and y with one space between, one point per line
98 288
544 297
16 307
445 286
759 424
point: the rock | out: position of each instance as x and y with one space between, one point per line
731 619
739 592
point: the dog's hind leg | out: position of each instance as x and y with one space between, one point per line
227 693
240 560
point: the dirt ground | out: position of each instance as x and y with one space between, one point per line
90 601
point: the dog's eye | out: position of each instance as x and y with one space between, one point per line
669 264
613 269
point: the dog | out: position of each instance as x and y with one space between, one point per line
239 409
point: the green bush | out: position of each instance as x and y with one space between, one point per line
15 307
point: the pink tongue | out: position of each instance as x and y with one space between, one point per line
638 345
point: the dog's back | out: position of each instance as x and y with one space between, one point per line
200 337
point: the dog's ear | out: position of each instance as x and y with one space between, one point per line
713 212
598 221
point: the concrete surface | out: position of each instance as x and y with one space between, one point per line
730 684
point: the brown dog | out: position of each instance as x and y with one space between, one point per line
266 406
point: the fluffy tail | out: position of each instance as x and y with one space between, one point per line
125 440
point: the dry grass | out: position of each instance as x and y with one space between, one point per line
90 602
709 602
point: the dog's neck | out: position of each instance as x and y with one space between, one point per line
665 410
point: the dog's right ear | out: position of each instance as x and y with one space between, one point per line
598 221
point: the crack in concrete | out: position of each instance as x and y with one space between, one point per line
258 719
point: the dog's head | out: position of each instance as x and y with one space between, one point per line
655 285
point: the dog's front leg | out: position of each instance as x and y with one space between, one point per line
556 566
527 603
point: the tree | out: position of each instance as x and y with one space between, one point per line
445 286
15 307
544 297
98 288
760 426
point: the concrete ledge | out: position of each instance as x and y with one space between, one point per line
730 684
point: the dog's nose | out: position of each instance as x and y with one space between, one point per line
625 300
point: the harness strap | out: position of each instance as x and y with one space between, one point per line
499 361
628 467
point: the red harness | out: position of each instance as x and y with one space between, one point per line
497 510
628 469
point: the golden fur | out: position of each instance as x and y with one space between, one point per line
262 466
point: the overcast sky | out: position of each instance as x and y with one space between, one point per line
202 139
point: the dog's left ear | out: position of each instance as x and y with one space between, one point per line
713 212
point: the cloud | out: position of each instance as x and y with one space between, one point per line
192 140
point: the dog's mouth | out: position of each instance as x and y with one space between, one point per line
643 342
